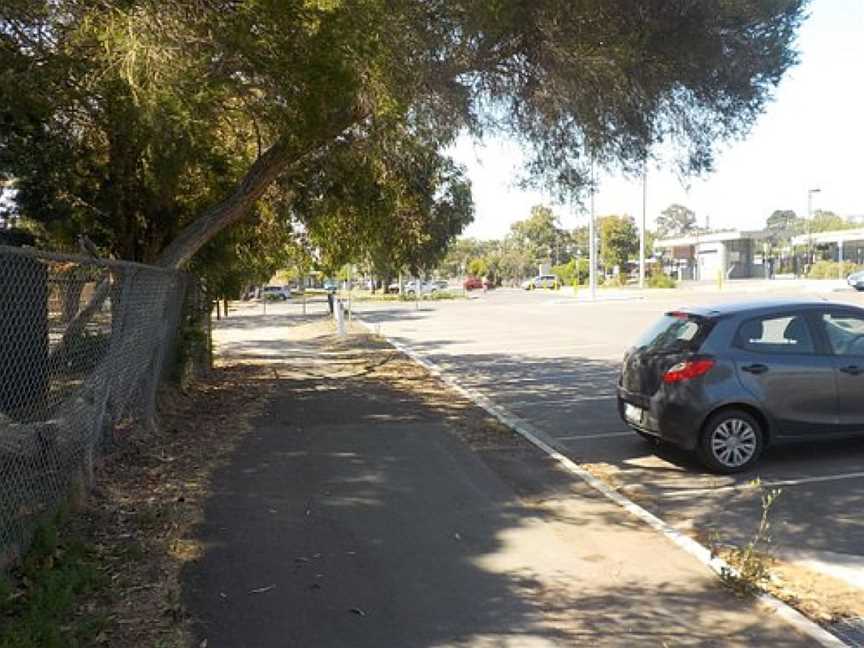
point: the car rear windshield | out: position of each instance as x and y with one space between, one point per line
675 333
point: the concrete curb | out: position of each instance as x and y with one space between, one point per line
545 443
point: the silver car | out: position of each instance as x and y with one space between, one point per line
856 280
540 281
276 293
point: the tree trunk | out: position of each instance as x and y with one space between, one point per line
280 157
263 172
267 168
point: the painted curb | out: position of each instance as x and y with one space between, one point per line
542 441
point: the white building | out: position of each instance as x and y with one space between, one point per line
736 254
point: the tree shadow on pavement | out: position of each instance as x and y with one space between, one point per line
573 398
356 513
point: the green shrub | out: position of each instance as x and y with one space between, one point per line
831 269
38 598
617 281
574 272
660 280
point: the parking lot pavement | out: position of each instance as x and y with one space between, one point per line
553 361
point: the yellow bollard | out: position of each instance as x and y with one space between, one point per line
719 280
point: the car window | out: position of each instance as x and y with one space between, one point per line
675 332
845 333
783 334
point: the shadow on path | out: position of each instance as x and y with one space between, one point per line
353 516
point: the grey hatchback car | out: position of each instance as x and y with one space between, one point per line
727 381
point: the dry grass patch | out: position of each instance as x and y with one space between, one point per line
151 494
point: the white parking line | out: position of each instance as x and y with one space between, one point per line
769 484
581 437
579 377
560 401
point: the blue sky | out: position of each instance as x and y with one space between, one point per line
811 135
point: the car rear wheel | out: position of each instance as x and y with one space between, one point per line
732 441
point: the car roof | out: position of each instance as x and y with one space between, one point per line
763 306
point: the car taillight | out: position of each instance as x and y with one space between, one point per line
688 370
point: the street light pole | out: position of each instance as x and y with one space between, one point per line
642 229
810 193
592 243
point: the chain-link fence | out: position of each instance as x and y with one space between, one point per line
83 345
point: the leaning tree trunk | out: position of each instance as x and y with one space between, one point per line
274 162
261 175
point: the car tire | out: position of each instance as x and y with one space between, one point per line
732 441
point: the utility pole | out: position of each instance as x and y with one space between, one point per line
642 229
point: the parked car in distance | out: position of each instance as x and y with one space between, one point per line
412 288
330 285
540 281
472 283
856 280
441 284
276 293
727 381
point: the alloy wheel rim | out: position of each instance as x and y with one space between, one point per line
733 442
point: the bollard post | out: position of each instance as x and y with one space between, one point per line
340 318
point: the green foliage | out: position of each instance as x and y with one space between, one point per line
676 220
131 121
391 202
832 270
751 563
574 272
459 253
478 267
538 233
661 280
37 604
619 240
783 224
827 221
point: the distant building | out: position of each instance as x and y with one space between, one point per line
836 245
736 254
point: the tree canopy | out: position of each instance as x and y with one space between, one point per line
676 220
619 240
827 221
782 225
152 126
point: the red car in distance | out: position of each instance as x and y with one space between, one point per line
473 283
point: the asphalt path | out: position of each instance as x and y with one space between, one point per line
553 360
356 513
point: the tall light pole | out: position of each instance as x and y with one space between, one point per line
592 243
642 229
810 193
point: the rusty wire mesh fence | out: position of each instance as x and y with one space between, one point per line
83 344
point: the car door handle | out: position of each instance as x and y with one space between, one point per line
755 368
853 370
